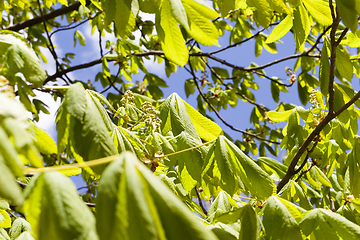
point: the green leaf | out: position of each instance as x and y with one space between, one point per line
225 6
10 190
19 226
201 28
25 236
264 13
172 40
179 13
20 57
207 129
81 127
343 64
256 180
319 10
279 6
301 26
275 166
80 36
324 224
249 224
280 30
275 91
124 17
5 220
125 140
278 221
223 203
190 162
279 116
347 11
202 8
43 142
130 196
55 211
175 117
222 168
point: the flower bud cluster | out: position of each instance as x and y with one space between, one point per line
128 97
149 116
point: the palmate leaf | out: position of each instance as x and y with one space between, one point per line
233 170
223 203
178 116
19 226
81 127
278 221
55 211
130 197
175 117
20 57
324 224
125 140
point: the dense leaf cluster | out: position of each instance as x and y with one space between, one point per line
158 168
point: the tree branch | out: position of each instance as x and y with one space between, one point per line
291 170
331 114
50 15
200 202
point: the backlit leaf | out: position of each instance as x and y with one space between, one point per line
55 211
129 196
280 30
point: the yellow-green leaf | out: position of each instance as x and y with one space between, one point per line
201 28
207 129
173 42
279 116
280 30
319 10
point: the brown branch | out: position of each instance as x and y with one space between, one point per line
316 140
200 202
304 172
50 15
291 170
331 114
332 203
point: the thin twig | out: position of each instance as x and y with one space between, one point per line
332 203
217 113
304 172
200 202
50 15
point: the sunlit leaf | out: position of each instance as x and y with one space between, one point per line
55 211
129 196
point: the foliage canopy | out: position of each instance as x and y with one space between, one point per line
158 168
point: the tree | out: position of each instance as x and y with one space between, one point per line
158 168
